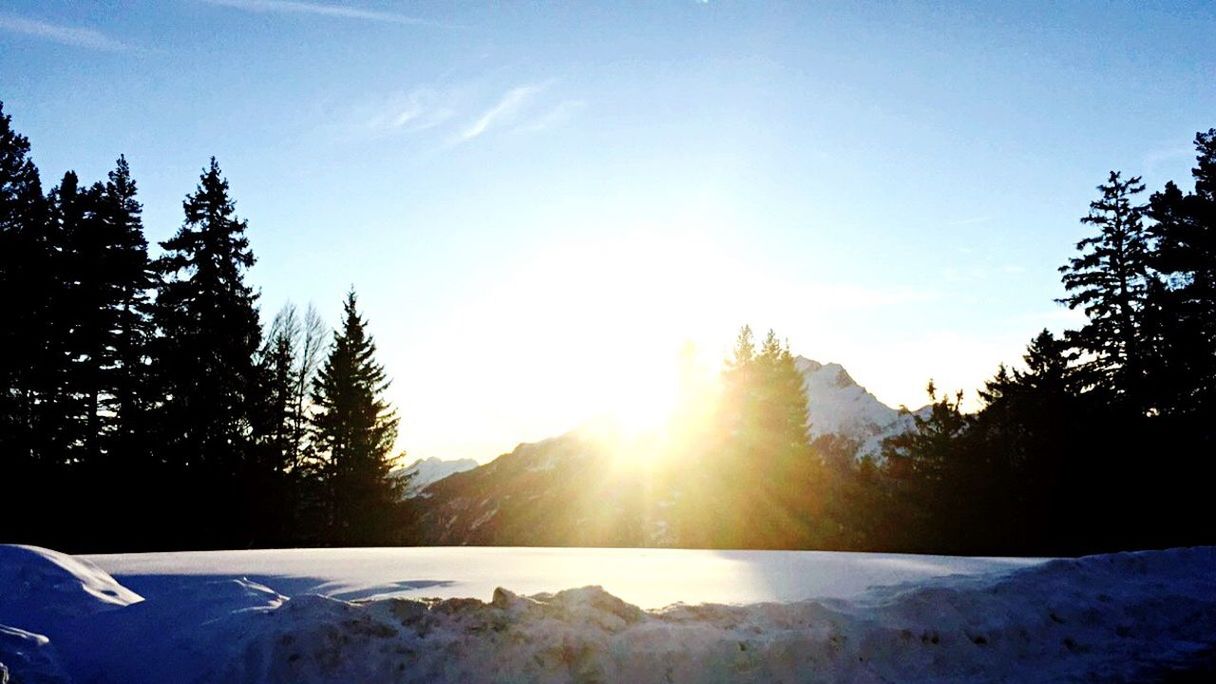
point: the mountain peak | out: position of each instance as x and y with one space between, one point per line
837 375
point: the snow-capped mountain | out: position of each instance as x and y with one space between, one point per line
427 471
570 490
839 406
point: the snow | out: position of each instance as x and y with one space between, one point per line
42 586
1128 616
651 578
838 405
428 471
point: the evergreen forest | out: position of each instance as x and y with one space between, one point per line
146 405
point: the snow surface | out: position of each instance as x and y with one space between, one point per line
425 472
1118 617
650 578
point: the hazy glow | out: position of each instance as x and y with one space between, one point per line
586 331
540 208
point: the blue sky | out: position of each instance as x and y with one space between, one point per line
539 203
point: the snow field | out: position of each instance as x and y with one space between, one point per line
1117 617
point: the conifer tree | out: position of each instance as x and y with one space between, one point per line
25 282
106 273
127 328
355 430
1185 230
783 404
60 423
209 331
1109 282
206 367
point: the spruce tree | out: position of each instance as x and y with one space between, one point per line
205 363
1109 282
127 327
25 282
1185 231
106 274
60 416
355 430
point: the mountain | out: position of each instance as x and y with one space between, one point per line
557 492
839 406
573 490
425 472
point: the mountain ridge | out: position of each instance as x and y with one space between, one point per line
571 490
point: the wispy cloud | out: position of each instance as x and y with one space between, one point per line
418 110
454 112
66 35
554 117
504 111
974 220
323 9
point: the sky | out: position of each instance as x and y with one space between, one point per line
540 204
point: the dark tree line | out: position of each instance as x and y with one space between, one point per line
141 403
1106 437
1103 438
144 406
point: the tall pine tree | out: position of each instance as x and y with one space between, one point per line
205 358
355 430
1185 230
25 282
1109 282
106 272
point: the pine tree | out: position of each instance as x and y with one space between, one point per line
25 281
106 274
1109 282
205 365
60 421
127 328
759 470
209 330
783 405
355 430
1185 231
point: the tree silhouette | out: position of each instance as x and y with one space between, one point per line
1185 230
206 358
1109 282
355 432
25 287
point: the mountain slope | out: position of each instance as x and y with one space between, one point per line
573 490
425 472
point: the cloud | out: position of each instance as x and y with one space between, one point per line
505 110
341 11
418 110
66 35
554 117
974 220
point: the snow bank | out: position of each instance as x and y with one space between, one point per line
40 587
1116 617
1111 618
44 592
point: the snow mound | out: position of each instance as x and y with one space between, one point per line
1119 617
40 587
31 655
